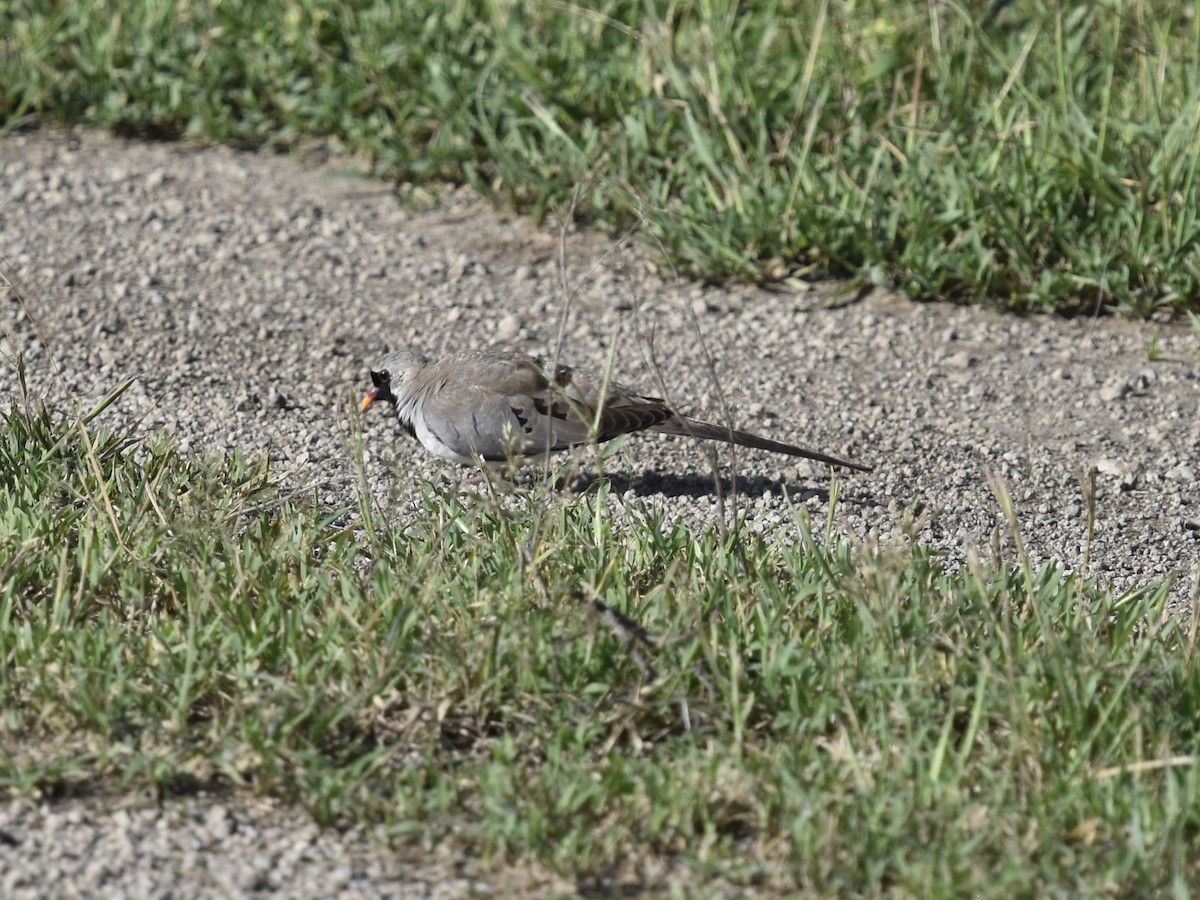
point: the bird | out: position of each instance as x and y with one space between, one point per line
495 406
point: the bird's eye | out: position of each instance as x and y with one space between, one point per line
381 379
385 376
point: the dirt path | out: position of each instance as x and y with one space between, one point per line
251 293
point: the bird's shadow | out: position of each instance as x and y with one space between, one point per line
650 483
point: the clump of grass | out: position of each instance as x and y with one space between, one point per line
1044 161
805 715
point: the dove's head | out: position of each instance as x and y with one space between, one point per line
390 374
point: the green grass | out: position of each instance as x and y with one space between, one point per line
806 715
1047 161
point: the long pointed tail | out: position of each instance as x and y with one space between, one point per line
685 425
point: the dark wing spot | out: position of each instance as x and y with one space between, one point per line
555 409
522 419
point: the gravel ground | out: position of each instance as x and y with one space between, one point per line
250 294
208 847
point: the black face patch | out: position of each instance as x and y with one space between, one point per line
381 379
